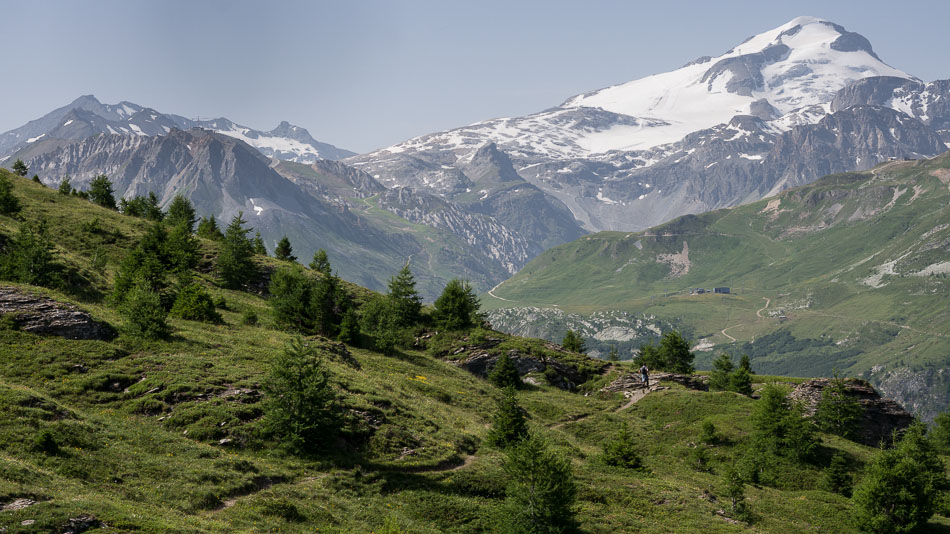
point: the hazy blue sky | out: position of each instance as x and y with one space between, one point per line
367 74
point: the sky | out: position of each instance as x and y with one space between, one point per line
367 74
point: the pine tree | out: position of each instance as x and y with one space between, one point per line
734 490
838 412
258 244
613 355
20 168
28 257
194 303
181 213
457 306
672 354
901 486
940 434
9 203
284 251
721 375
837 478
349 327
780 428
508 424
320 262
741 381
290 290
541 492
208 229
378 319
301 405
144 313
573 342
504 374
235 264
101 192
406 302
65 186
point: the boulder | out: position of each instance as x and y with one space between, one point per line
45 316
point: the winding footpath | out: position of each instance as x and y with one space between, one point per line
758 314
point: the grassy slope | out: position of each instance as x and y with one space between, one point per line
139 426
805 253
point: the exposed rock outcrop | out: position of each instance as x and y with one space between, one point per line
880 419
41 315
631 381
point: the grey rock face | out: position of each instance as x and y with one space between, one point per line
880 419
44 316
86 116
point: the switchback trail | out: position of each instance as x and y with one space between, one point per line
758 314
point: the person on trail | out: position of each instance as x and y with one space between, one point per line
645 375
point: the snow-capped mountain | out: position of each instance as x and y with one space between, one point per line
86 116
713 133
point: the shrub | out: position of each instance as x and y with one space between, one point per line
504 374
249 318
65 186
540 494
708 434
301 406
622 451
508 424
144 313
194 304
45 442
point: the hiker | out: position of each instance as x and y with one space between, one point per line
645 375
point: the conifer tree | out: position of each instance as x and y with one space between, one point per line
9 203
284 251
901 486
508 424
208 229
301 405
181 212
101 192
838 412
258 244
235 265
573 342
672 354
721 375
613 355
780 428
28 257
406 302
144 313
504 374
20 168
457 306
65 186
837 479
378 319
940 434
291 290
734 490
541 492
320 262
741 381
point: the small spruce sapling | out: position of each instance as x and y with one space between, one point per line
504 373
509 425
